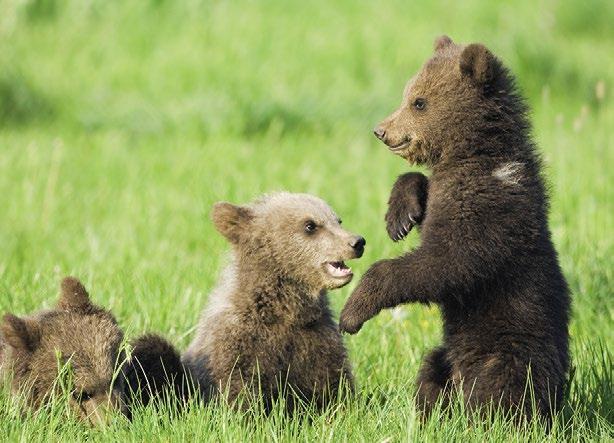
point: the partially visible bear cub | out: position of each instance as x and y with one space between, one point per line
486 256
154 373
268 329
76 333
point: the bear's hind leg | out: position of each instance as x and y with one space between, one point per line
433 380
511 385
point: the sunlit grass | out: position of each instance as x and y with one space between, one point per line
122 123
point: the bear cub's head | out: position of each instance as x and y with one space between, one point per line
73 349
297 236
457 93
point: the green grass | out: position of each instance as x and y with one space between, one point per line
122 122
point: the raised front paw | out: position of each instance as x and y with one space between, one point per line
350 320
362 304
406 205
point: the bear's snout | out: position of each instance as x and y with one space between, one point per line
380 133
358 245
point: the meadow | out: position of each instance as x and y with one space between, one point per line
121 123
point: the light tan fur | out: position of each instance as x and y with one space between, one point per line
509 173
268 318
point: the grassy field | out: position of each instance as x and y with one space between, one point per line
122 122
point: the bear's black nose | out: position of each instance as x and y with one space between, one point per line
358 244
379 133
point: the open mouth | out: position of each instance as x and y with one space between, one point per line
399 147
338 269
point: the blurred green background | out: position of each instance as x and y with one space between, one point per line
122 122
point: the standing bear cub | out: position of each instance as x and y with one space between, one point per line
486 256
268 329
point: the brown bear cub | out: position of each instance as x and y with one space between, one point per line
76 335
268 330
486 256
85 339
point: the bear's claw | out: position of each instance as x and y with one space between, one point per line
406 205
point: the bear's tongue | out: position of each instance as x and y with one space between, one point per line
338 269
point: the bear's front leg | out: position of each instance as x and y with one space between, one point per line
374 293
406 205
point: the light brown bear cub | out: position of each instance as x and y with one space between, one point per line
268 328
76 333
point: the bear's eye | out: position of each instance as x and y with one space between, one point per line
420 104
310 226
82 396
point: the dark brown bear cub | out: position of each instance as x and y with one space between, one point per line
486 256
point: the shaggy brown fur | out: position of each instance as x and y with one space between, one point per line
154 372
486 256
268 326
75 333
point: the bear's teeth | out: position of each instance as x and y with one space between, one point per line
338 269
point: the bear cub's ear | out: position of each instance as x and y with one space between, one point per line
478 63
19 333
442 42
74 297
230 220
